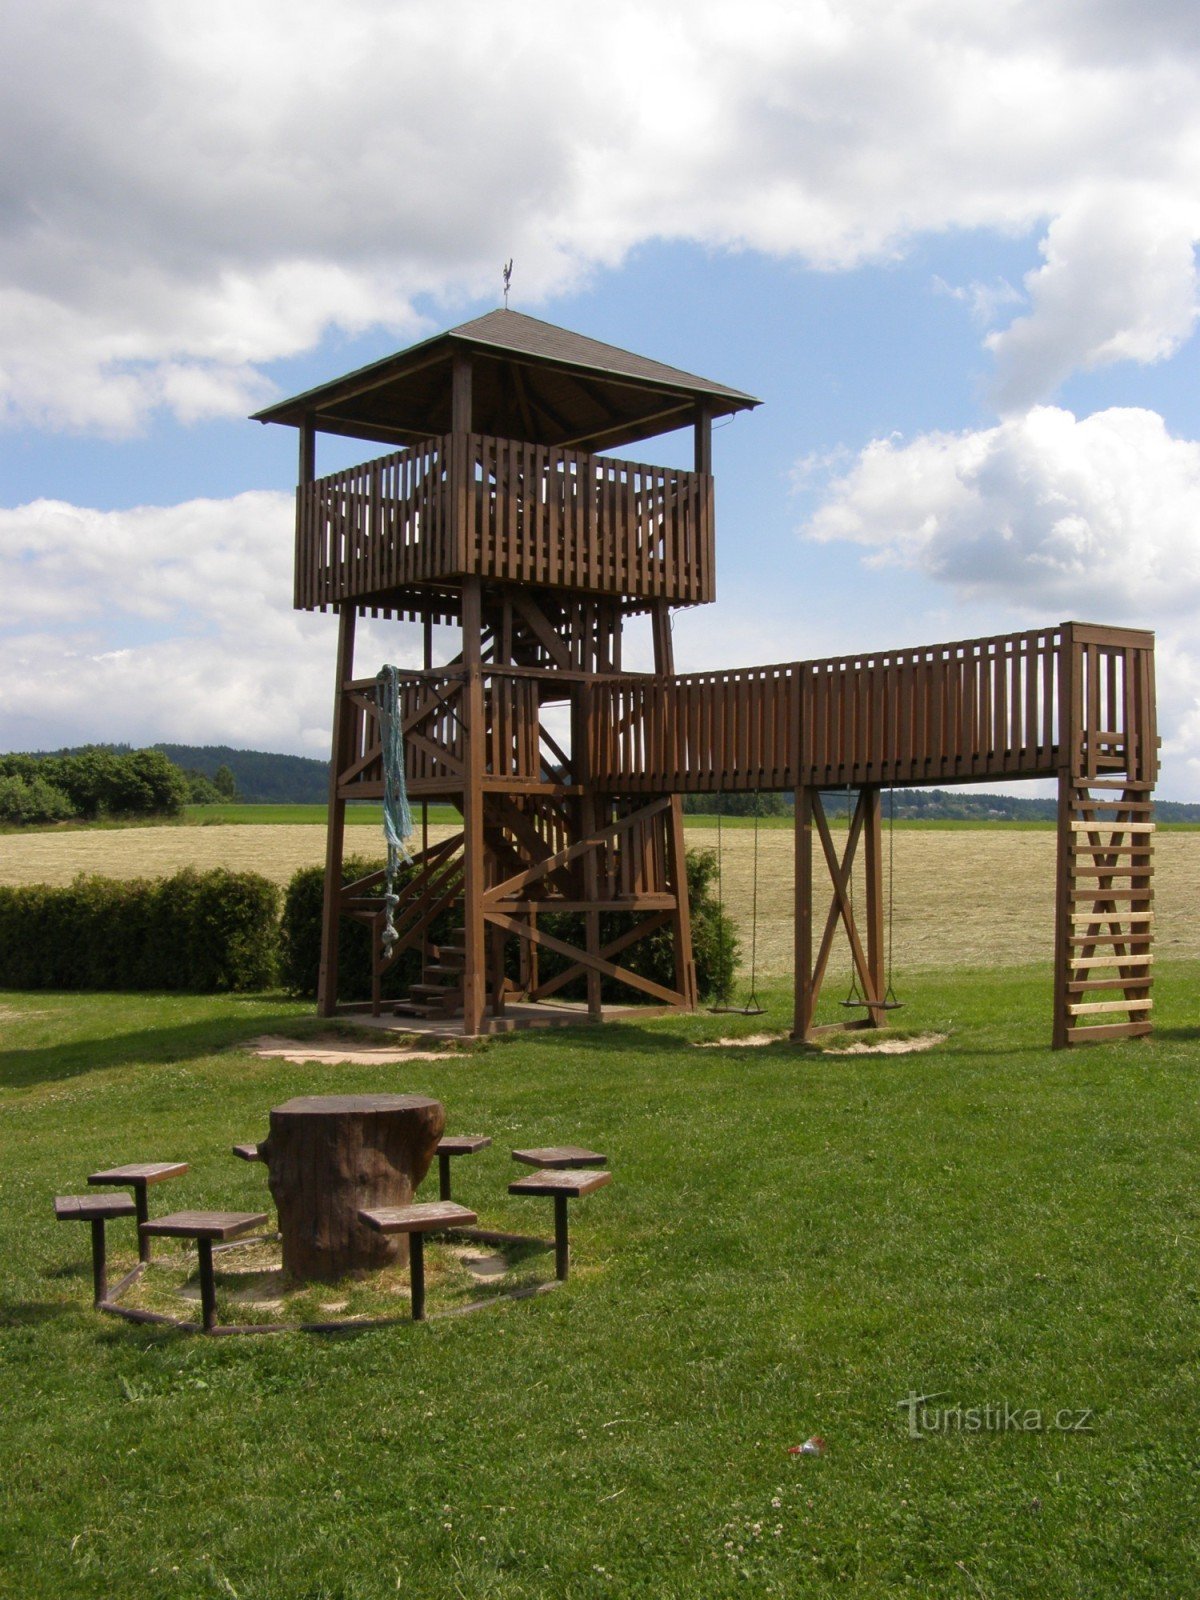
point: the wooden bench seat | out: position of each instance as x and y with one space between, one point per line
206 1228
563 1185
430 1216
456 1144
96 1209
560 1157
138 1175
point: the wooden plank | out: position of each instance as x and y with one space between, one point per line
1087 1007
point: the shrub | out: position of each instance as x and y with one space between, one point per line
25 800
204 932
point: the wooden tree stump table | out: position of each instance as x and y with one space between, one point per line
331 1156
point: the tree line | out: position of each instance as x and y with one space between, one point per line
98 781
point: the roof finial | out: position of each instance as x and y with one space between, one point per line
507 280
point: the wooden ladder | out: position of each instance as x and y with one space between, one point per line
1105 922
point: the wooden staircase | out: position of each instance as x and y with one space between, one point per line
440 992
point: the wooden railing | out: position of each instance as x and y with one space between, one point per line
1016 706
376 528
468 504
516 748
1077 698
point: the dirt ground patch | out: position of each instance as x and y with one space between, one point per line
335 1052
970 897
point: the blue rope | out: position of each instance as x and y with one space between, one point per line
398 822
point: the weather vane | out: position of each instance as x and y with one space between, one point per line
507 280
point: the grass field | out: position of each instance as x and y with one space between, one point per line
979 896
792 1244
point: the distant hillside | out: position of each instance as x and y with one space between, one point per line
260 776
929 805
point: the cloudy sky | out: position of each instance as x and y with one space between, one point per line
951 246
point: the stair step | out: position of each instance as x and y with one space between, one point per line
440 969
438 990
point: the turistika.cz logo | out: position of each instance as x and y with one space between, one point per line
996 1416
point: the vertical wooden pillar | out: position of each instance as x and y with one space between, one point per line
872 803
681 917
803 980
1063 910
1071 756
474 938
335 828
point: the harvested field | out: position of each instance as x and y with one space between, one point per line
962 897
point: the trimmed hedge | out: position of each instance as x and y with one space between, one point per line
205 932
214 931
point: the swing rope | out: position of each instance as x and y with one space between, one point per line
752 1007
398 824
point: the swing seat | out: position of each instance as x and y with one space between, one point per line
866 1005
738 1011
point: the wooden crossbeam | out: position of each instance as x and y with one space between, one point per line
584 960
522 880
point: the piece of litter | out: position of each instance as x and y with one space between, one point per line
811 1447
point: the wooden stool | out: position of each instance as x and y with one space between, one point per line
205 1227
96 1209
561 1157
563 1186
416 1221
456 1144
137 1176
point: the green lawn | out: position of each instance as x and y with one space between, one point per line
791 1244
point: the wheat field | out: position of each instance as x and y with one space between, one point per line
963 897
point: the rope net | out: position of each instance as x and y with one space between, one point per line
398 824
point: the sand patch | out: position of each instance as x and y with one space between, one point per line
877 1047
748 1041
332 1052
890 1047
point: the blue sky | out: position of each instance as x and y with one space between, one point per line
952 250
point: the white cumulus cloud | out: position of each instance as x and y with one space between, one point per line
192 193
169 623
1043 518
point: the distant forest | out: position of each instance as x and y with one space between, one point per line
300 780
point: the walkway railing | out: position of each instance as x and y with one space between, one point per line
1013 706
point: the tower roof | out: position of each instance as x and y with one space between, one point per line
531 380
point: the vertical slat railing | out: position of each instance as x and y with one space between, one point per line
978 708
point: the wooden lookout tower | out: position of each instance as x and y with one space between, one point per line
494 513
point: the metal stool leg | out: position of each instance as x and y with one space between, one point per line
416 1264
143 1215
562 1247
208 1289
99 1264
443 1174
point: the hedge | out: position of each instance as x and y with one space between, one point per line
219 930
206 932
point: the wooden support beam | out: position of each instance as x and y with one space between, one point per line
474 942
327 973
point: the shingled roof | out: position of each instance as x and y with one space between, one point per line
531 380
